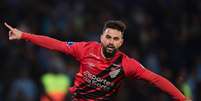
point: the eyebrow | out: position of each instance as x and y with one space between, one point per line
112 37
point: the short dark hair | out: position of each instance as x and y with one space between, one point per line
115 24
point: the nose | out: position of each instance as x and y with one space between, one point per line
111 41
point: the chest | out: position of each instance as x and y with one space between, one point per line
100 73
93 63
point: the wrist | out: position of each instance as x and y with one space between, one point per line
25 35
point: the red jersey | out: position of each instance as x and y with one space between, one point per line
99 78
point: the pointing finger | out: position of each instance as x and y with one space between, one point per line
11 28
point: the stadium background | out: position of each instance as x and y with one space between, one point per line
164 35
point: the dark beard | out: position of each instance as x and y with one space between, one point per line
107 54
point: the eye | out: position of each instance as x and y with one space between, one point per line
116 38
108 37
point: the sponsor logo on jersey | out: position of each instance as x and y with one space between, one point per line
70 43
95 81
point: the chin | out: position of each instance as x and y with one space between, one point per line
108 53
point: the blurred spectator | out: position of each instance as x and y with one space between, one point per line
55 81
23 88
55 85
152 61
183 84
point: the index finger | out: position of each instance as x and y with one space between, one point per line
11 28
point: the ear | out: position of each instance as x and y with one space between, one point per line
122 41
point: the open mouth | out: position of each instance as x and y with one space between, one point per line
110 48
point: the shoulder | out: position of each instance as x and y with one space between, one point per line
89 44
92 43
126 58
128 61
80 49
130 65
87 47
82 43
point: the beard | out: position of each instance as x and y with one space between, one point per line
109 51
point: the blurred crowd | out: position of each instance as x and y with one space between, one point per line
164 35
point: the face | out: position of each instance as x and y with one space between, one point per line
111 39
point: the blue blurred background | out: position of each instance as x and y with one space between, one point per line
164 35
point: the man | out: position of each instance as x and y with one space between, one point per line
102 65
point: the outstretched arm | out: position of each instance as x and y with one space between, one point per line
133 69
163 84
42 41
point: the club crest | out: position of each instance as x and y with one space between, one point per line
114 73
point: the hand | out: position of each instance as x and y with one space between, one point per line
13 33
188 99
